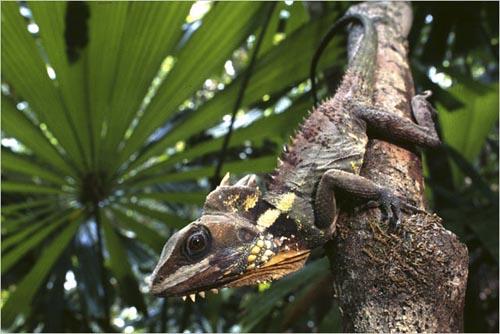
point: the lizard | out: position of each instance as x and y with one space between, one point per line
245 236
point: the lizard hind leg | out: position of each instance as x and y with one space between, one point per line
402 129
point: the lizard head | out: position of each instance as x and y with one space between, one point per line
225 247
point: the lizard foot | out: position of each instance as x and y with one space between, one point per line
425 116
391 207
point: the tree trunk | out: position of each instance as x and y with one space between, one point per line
414 279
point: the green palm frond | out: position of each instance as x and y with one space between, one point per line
108 103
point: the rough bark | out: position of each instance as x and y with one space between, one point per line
412 280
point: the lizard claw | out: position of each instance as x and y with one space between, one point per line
390 205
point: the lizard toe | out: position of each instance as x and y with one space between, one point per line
390 205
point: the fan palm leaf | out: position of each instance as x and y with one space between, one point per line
104 102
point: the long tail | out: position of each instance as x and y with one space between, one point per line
363 63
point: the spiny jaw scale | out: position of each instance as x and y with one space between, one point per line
201 294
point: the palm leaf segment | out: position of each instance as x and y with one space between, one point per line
100 105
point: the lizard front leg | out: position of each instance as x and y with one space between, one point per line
325 207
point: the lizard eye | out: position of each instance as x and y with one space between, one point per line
197 243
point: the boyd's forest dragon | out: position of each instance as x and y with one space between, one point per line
245 237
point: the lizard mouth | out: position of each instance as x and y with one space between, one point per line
280 265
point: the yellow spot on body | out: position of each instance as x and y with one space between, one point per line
353 136
251 258
264 259
260 243
355 167
268 218
231 200
285 202
250 201
299 224
268 243
250 267
255 250
268 253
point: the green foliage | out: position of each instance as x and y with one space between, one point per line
120 268
113 117
19 301
278 293
109 102
467 128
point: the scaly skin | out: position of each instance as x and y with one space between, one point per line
244 238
